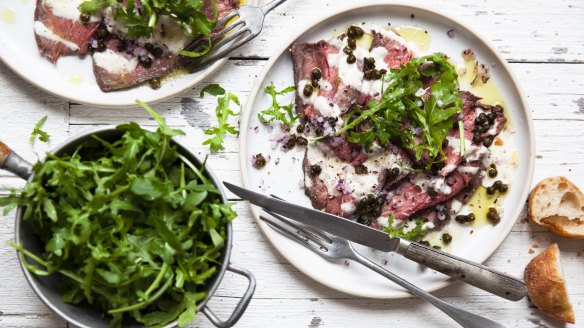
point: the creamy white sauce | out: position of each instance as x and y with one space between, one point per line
326 107
425 182
41 30
348 208
305 100
169 33
68 9
114 62
505 157
334 170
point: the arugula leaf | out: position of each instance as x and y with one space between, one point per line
414 234
213 89
403 100
131 225
282 113
222 112
43 136
140 16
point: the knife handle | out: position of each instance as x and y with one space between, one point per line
478 275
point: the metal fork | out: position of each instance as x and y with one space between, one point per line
249 22
332 247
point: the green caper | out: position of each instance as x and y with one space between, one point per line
259 161
352 43
300 128
476 138
493 216
315 169
446 238
497 185
347 50
492 171
307 90
361 169
147 62
488 141
84 17
314 83
316 74
491 118
155 83
157 52
102 33
355 31
351 59
491 190
368 62
101 46
301 141
503 189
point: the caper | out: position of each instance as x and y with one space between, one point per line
149 47
101 46
471 217
351 59
315 169
361 169
316 73
101 33
491 190
382 72
491 117
122 46
465 218
157 52
307 90
368 62
300 128
155 83
147 62
259 161
85 17
424 242
488 141
444 143
370 74
492 171
347 50
503 189
479 128
476 138
352 43
301 141
446 238
493 216
393 173
355 31
497 185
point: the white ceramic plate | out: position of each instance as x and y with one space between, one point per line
72 77
284 179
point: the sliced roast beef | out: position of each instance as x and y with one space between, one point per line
57 36
424 191
338 187
397 52
471 108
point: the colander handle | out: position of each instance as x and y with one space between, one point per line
241 306
12 162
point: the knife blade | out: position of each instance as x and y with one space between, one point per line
476 274
333 224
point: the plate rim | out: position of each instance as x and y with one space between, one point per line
14 67
322 20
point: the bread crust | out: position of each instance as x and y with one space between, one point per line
553 225
546 285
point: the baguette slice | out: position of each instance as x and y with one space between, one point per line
559 205
546 285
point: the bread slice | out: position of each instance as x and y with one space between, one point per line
546 285
559 205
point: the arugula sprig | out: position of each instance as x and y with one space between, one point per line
402 101
43 135
140 16
132 226
416 233
223 112
282 113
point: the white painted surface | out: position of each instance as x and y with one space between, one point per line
546 48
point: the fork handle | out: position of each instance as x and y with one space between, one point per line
478 275
270 6
464 318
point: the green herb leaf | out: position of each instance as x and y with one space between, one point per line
282 113
223 112
212 89
43 136
416 233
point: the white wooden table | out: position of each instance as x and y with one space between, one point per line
544 42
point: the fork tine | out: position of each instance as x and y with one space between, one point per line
225 19
211 57
226 29
314 246
303 228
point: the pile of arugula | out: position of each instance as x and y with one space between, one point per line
404 100
132 225
140 16
223 111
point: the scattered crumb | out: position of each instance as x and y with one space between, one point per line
450 33
535 246
471 232
531 251
509 261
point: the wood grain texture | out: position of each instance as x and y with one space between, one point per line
544 42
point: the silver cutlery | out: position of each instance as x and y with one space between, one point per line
478 275
332 247
248 24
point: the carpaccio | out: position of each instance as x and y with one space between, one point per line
118 62
329 84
